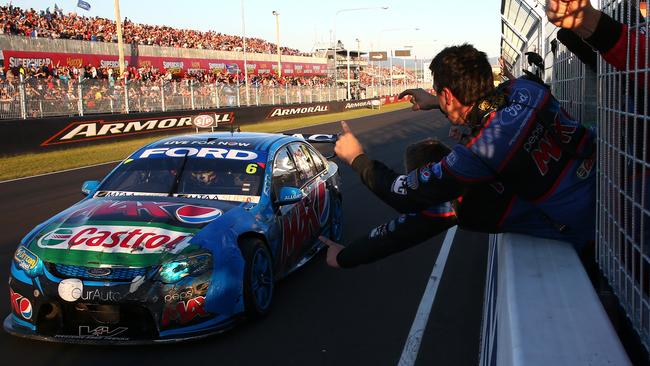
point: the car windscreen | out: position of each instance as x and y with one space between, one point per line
230 179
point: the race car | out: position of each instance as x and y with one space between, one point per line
181 240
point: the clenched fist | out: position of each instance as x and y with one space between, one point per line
347 147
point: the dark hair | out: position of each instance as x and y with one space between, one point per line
420 153
465 71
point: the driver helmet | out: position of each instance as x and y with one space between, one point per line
204 177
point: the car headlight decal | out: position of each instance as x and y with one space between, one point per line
193 265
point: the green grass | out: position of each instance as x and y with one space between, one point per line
26 165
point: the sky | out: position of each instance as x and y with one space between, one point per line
425 25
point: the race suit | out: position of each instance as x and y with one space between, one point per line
525 166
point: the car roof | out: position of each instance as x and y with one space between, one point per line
242 140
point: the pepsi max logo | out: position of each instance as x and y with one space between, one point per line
203 121
20 305
191 214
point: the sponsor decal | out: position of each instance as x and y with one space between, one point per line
92 130
303 222
173 64
412 180
401 219
203 121
114 64
98 272
127 194
204 152
101 295
585 168
176 296
20 305
207 142
56 237
290 111
101 332
70 289
121 239
220 197
365 103
26 62
436 169
451 159
317 137
196 214
184 312
520 99
425 174
399 185
25 259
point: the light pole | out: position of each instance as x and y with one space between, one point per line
277 40
404 64
243 31
335 41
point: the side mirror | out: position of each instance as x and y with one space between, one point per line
89 186
289 195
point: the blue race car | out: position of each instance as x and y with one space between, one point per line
182 239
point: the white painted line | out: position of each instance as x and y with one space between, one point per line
61 171
414 339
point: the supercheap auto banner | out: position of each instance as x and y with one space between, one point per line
38 59
37 135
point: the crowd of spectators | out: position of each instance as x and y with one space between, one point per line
56 24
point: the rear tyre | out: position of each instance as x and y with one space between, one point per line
258 277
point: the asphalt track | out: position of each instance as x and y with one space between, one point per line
320 315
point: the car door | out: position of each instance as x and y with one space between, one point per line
316 200
285 174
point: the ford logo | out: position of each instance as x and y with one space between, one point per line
98 272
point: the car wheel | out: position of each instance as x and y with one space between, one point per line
336 219
258 277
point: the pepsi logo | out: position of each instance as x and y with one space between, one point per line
203 121
20 304
191 214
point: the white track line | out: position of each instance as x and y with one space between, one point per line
61 171
414 339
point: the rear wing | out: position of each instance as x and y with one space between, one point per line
318 138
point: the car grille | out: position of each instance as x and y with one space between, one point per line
116 274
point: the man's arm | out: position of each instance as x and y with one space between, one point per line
598 29
392 237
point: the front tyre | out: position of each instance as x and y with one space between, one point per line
258 277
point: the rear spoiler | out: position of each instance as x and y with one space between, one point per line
316 137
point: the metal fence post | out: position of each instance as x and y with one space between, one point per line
238 95
162 95
273 95
299 94
80 101
192 93
286 93
216 92
329 93
257 96
126 95
23 101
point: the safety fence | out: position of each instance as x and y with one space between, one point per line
39 98
616 103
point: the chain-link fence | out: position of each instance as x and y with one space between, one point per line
37 98
616 103
624 156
